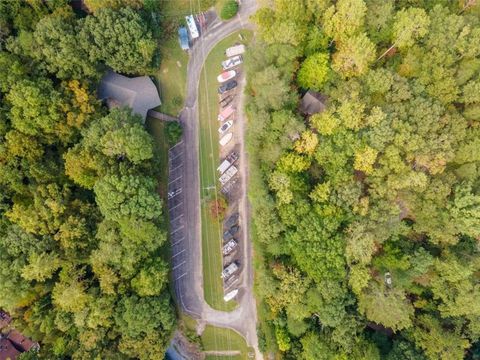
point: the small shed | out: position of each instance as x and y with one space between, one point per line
313 103
183 38
138 93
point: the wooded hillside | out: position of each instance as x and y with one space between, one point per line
82 233
367 215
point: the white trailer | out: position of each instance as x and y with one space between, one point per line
229 160
235 50
224 166
230 173
192 26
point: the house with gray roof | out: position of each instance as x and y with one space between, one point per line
313 103
138 93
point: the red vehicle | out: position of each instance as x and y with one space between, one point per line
226 75
226 113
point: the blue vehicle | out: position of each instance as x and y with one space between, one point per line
183 38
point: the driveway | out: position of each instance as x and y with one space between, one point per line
188 272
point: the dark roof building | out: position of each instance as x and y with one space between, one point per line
313 103
5 319
183 38
7 350
139 93
21 342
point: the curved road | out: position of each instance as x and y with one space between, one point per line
189 285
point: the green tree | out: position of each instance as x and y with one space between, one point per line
410 25
119 38
387 307
128 196
56 44
229 9
436 341
344 19
314 71
354 56
151 279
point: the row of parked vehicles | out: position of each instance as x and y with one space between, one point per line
228 170
230 244
228 84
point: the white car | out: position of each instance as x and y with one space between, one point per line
224 128
232 62
226 75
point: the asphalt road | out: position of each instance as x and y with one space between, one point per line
184 205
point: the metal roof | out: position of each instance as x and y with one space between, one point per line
138 93
313 103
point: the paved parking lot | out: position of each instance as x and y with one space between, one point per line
176 206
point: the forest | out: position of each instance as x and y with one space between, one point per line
83 263
367 215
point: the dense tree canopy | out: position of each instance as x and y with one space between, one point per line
367 214
82 235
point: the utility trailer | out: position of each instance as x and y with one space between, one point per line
229 160
229 247
235 50
229 270
229 174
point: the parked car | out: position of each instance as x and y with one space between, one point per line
226 75
226 113
232 220
232 84
230 233
226 100
226 139
232 62
224 128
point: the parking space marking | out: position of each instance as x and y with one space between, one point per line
176 156
181 276
178 265
174 231
178 217
179 241
174 146
178 167
176 206
178 253
171 182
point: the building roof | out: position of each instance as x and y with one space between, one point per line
7 350
5 319
139 93
20 341
313 103
183 38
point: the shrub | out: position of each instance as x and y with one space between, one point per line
174 132
218 208
229 10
